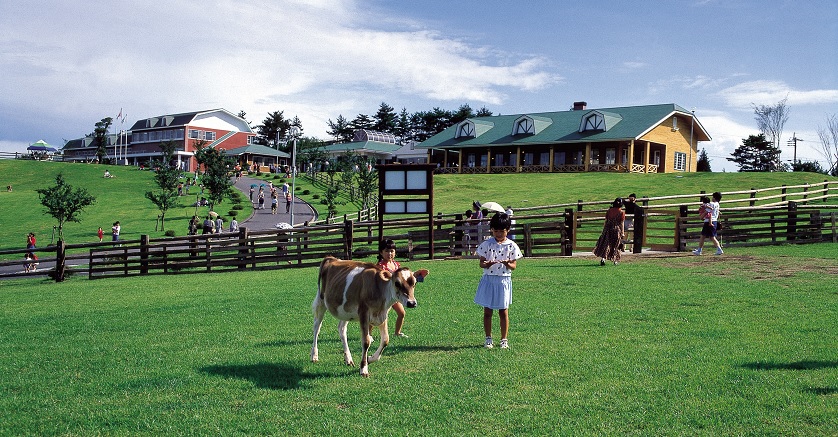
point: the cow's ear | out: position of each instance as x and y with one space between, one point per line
384 275
421 273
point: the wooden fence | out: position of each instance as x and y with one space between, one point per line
547 234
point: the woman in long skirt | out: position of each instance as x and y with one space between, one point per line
608 244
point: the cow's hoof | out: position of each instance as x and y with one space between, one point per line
314 359
350 363
365 372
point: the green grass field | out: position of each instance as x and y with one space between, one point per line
122 198
744 344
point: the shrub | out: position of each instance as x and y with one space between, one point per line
316 196
233 213
237 207
169 233
324 202
307 192
276 176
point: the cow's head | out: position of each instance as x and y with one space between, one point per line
404 281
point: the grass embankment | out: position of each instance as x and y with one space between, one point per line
122 198
675 345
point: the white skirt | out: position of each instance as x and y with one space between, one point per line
494 292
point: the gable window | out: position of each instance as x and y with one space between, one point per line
594 121
209 136
465 130
524 126
680 161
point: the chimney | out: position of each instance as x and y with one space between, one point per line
580 106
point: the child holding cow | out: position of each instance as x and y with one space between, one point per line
498 258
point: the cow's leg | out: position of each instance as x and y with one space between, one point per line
385 340
365 345
319 309
347 355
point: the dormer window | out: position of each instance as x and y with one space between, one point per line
594 121
466 129
523 126
599 121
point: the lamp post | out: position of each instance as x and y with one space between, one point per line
295 131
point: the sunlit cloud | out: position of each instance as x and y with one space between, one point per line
767 92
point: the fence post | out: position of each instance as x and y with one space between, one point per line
680 239
783 191
753 196
347 239
570 230
579 205
527 229
791 228
825 189
458 246
805 193
639 230
60 260
143 254
243 234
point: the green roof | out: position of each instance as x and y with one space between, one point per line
622 123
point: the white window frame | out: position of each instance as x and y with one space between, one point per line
680 161
525 125
465 130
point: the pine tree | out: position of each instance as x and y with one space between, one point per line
703 163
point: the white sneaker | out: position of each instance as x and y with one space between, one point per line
697 252
719 251
504 343
489 343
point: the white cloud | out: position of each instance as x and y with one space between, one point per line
311 58
767 92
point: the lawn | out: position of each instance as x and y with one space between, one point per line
123 197
744 344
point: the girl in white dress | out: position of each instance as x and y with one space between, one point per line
498 258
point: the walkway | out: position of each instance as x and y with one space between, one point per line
262 219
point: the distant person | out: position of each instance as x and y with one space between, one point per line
285 188
219 225
387 261
208 226
608 244
510 213
288 199
630 205
100 233
30 240
115 229
234 225
193 226
274 203
107 174
9 188
709 211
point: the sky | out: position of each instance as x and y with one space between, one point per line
66 65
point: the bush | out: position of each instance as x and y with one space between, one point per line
297 188
307 192
237 207
233 213
316 196
169 233
324 202
282 180
276 176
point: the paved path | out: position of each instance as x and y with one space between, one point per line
262 219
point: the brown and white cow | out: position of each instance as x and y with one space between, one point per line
363 292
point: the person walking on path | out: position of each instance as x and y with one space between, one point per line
498 258
288 199
608 244
100 233
274 202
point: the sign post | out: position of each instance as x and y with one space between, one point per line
406 189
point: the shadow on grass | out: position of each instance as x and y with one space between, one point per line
822 391
265 375
798 365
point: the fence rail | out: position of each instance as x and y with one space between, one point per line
553 234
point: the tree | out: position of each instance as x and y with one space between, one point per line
367 183
483 112
756 154
362 121
310 151
829 143
100 138
403 128
64 202
462 113
385 119
274 126
167 176
770 121
813 167
216 165
703 163
340 130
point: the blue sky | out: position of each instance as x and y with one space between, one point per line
66 65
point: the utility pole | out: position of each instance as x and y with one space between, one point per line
793 142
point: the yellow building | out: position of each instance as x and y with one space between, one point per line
638 139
